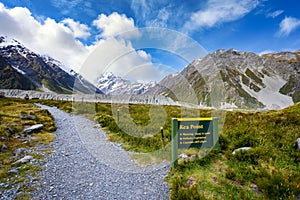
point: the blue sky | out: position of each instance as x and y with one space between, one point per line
70 30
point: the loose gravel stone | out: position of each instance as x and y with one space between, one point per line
84 165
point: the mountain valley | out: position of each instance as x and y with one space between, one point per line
223 79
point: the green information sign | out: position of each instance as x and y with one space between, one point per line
193 133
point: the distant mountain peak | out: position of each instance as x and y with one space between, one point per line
110 75
284 56
110 83
16 46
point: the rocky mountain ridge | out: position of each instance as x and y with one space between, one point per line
236 79
41 72
224 78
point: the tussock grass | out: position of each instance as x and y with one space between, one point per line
270 170
10 112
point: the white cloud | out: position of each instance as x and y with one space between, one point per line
119 57
59 40
79 30
116 24
146 73
288 25
67 6
144 55
219 11
44 37
115 53
275 13
141 7
111 52
160 19
154 13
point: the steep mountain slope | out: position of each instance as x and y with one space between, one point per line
43 72
240 79
10 78
109 83
292 87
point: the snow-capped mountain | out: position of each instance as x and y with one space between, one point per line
25 69
220 79
53 62
238 79
109 83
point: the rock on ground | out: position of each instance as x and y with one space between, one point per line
33 128
23 160
241 149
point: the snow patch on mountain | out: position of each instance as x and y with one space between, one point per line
270 95
18 70
21 49
48 59
6 41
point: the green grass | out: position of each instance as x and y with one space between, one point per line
270 170
254 87
251 75
53 86
10 112
245 80
271 166
288 89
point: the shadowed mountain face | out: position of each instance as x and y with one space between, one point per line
40 72
10 78
237 79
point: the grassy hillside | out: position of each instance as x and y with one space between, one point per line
11 127
270 170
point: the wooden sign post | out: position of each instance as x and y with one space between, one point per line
193 133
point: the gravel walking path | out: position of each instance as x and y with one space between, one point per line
84 165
